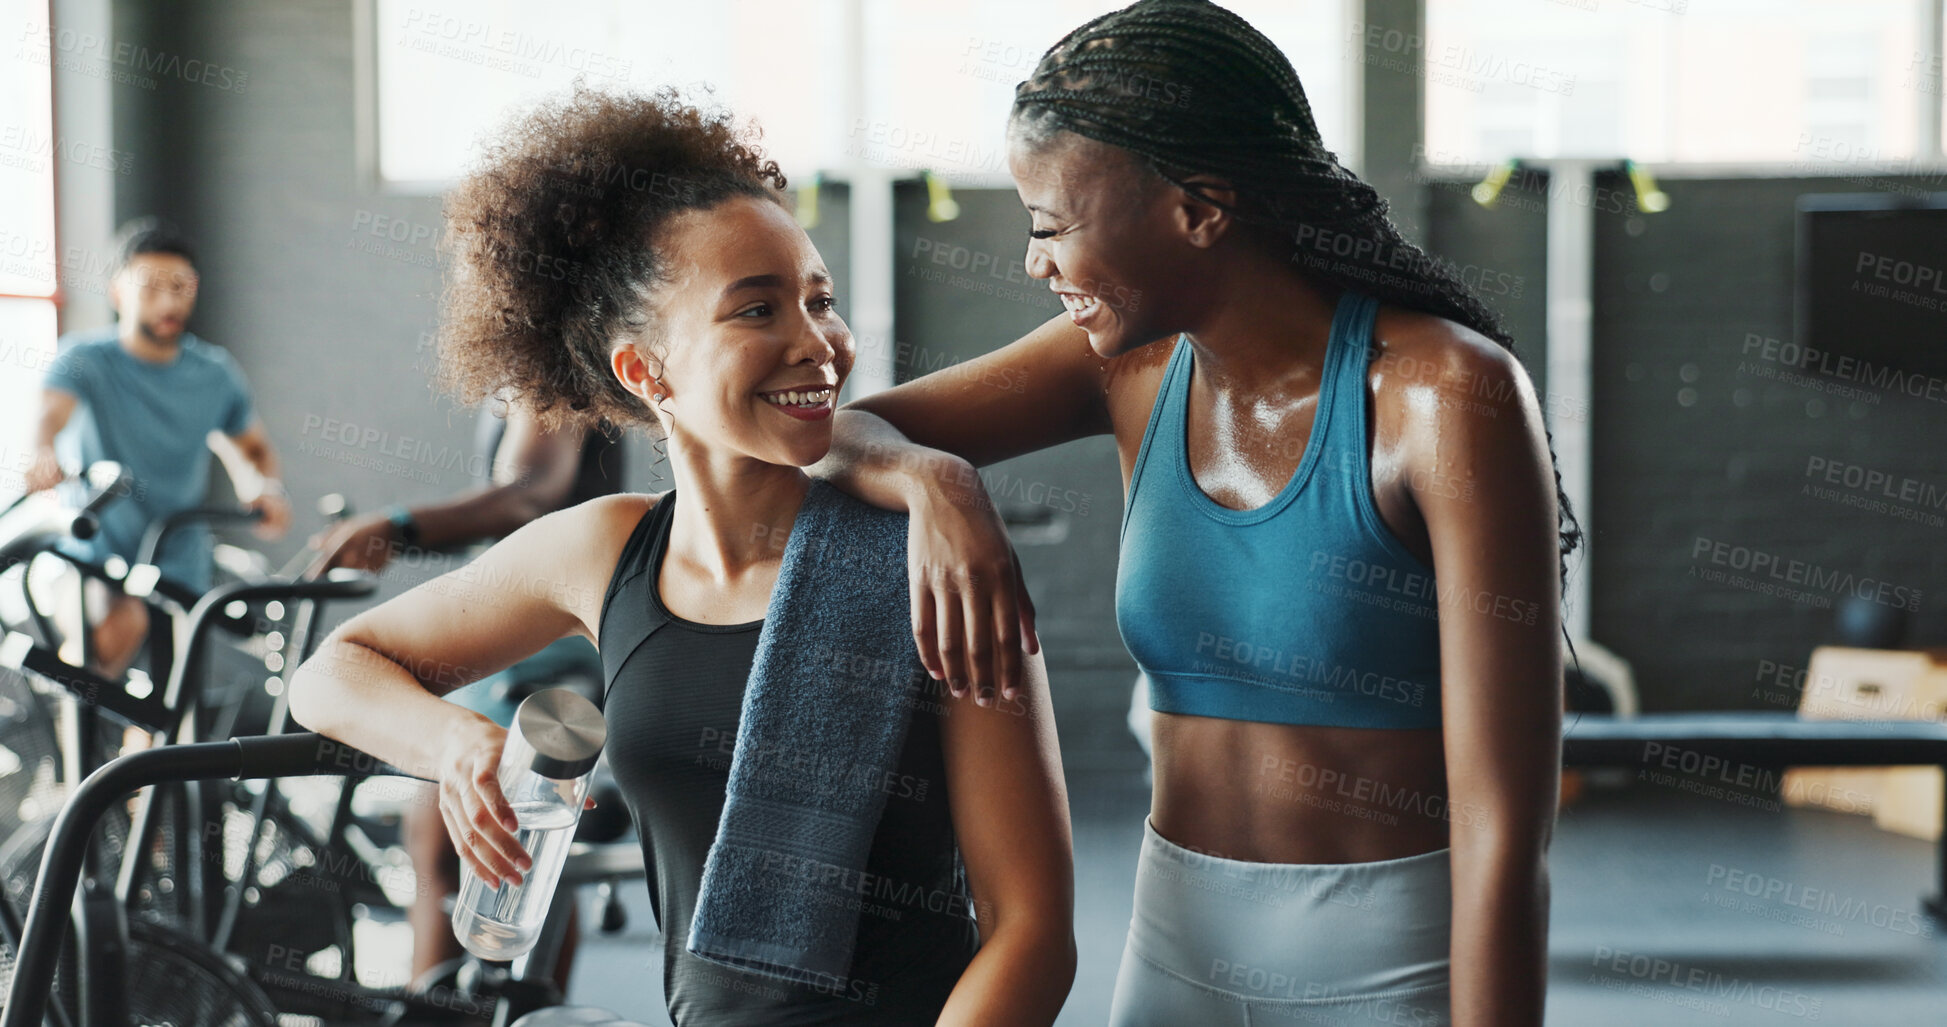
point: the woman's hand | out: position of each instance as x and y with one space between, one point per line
478 817
971 611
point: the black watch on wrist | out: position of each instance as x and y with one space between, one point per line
404 525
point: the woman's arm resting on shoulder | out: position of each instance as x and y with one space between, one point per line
1486 487
375 682
917 447
1010 811
1040 390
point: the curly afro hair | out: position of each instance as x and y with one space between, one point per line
551 244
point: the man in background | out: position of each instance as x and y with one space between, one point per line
148 394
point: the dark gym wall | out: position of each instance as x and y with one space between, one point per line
1703 442
1501 253
1703 448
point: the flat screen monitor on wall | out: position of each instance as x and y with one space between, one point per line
1871 296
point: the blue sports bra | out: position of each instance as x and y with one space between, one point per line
1306 610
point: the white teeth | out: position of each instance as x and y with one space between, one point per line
814 398
1079 304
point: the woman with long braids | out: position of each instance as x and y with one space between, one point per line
1343 540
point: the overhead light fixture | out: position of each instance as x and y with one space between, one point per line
940 205
1488 189
807 212
1649 199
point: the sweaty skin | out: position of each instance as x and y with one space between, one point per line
1241 789
1461 475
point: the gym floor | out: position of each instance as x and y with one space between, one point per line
1668 908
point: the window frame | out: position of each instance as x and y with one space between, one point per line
1930 157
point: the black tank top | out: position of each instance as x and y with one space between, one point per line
674 695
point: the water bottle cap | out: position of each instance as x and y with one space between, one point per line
565 730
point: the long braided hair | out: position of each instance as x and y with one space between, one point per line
1191 88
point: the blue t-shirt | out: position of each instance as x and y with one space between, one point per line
154 419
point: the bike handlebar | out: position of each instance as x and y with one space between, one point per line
257 756
108 480
153 712
152 539
306 754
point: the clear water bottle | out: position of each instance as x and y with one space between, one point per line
545 769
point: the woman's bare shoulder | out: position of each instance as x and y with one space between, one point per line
586 540
1460 371
616 506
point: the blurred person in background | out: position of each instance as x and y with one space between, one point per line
150 395
530 473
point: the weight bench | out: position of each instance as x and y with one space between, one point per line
1762 740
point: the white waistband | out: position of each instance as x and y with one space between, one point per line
1303 932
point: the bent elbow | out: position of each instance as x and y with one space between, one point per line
1055 958
1050 948
303 693
312 692
1066 956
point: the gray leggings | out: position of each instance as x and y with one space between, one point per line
1218 942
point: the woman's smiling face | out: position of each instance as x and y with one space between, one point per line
752 352
1101 236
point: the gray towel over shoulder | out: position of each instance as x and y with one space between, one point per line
824 719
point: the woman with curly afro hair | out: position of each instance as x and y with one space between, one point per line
630 258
